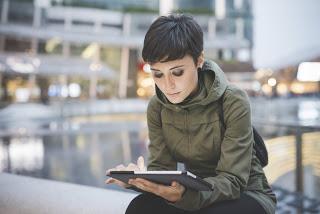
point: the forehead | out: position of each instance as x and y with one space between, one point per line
187 60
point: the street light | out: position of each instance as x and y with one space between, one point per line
272 82
309 71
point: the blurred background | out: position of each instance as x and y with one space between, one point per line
74 88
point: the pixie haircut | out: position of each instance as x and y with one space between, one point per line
172 37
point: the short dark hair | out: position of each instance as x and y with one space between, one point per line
172 37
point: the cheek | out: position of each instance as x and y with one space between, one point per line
189 81
159 84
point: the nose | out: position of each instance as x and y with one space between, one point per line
169 82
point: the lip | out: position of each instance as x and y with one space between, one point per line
172 94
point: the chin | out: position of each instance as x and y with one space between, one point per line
175 101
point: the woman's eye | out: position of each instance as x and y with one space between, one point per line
177 73
157 74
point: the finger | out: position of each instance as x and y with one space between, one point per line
120 167
153 185
140 163
148 185
132 166
169 193
175 184
143 186
117 182
109 181
178 187
136 184
122 184
112 180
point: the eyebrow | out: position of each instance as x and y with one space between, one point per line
178 66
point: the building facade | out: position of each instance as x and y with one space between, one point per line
106 38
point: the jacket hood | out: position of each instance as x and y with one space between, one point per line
212 84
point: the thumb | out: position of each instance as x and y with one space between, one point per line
140 163
174 184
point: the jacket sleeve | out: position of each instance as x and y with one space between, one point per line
159 155
233 168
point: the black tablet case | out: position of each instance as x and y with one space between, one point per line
185 178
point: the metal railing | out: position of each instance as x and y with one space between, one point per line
294 164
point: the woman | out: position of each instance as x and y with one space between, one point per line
185 125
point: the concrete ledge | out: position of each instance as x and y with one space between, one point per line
20 194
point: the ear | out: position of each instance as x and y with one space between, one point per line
200 60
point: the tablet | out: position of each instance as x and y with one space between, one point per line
185 178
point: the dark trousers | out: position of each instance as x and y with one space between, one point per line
152 204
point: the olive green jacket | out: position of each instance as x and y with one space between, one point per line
191 132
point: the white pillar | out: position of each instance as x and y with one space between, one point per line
42 3
212 27
31 84
34 42
94 74
34 45
37 17
124 68
39 6
126 25
238 4
97 26
126 148
63 79
67 21
240 28
93 84
5 11
220 9
165 7
66 49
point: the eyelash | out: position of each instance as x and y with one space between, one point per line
176 73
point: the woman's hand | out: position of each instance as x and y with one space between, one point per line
131 167
171 193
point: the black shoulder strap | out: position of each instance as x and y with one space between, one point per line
260 147
220 109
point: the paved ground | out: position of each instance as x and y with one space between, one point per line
293 202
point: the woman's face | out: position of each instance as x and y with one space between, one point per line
177 79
